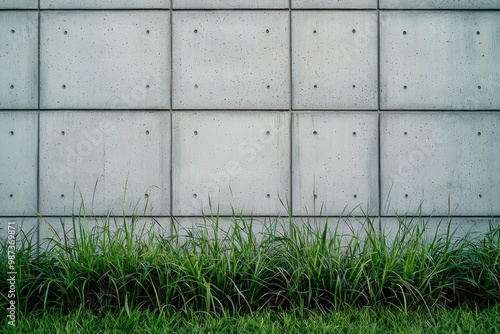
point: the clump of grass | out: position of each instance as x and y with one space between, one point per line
119 265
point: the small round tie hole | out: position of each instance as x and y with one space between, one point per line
267 31
12 31
146 195
353 86
315 86
353 31
196 133
354 133
11 86
314 31
406 133
64 86
315 196
406 195
268 196
147 132
480 196
147 86
315 132
196 31
195 86
268 86
194 195
147 31
62 195
11 133
355 196
478 87
404 87
478 33
11 195
479 133
404 32
65 32
63 133
268 133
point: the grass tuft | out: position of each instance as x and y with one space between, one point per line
119 265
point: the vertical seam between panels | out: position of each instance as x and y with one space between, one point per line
171 120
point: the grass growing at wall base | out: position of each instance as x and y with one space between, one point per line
101 269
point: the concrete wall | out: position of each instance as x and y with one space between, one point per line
261 107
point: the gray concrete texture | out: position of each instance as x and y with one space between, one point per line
265 108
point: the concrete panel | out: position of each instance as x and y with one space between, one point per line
52 229
105 59
98 155
446 162
18 4
24 230
18 163
100 4
335 164
356 4
334 60
440 60
231 59
455 228
231 160
229 4
440 4
19 59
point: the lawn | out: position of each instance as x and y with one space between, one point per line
115 275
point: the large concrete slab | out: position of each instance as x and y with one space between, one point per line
440 60
444 228
440 4
105 59
18 163
229 4
18 4
354 4
20 233
231 160
19 59
53 230
335 164
335 59
103 4
231 59
446 162
98 156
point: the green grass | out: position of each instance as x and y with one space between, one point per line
118 268
365 320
